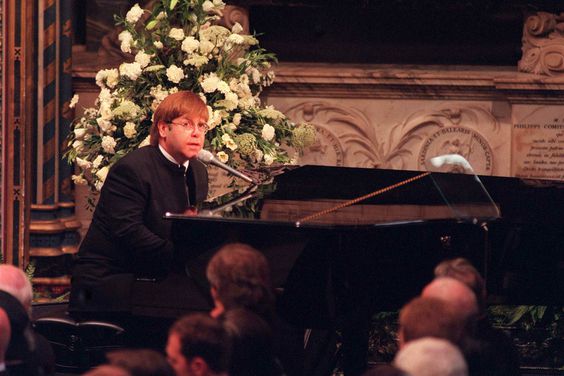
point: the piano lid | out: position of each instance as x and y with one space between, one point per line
328 197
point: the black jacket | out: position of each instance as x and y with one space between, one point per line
128 236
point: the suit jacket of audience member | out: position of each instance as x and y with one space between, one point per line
128 236
489 351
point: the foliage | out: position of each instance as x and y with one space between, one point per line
178 46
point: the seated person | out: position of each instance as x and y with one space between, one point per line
128 237
141 362
487 350
28 353
429 317
252 351
239 277
4 339
198 345
431 357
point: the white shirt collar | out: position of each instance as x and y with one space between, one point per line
170 158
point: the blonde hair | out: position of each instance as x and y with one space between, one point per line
175 105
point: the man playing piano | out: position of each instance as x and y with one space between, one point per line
128 237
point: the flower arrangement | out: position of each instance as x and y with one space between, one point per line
177 46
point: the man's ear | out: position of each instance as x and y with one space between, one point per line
198 366
162 127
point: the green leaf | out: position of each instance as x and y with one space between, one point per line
173 4
151 25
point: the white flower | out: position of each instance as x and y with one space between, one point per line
130 70
210 82
214 118
268 159
255 75
237 119
206 47
160 16
73 101
79 133
105 111
271 113
229 103
134 14
228 142
222 156
158 44
102 173
83 163
129 130
190 44
105 125
258 155
207 6
223 87
107 77
236 39
196 60
108 144
105 96
267 132
78 145
98 185
176 33
126 109
126 40
79 180
143 59
145 142
97 161
237 28
174 73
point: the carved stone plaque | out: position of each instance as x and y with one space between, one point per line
538 143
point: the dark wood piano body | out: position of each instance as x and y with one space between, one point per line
377 253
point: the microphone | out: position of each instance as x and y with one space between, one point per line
207 157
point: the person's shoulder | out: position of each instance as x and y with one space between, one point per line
138 159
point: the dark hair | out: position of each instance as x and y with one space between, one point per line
141 362
176 105
251 344
241 276
202 336
385 370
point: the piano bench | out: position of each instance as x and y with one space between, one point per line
79 346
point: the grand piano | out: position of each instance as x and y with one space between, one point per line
346 242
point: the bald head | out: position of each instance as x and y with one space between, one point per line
456 293
15 282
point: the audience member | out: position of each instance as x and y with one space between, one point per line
28 353
251 344
4 339
462 270
429 317
239 277
461 297
141 362
431 357
107 370
487 350
198 346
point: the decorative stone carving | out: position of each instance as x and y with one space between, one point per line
345 136
543 44
233 14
